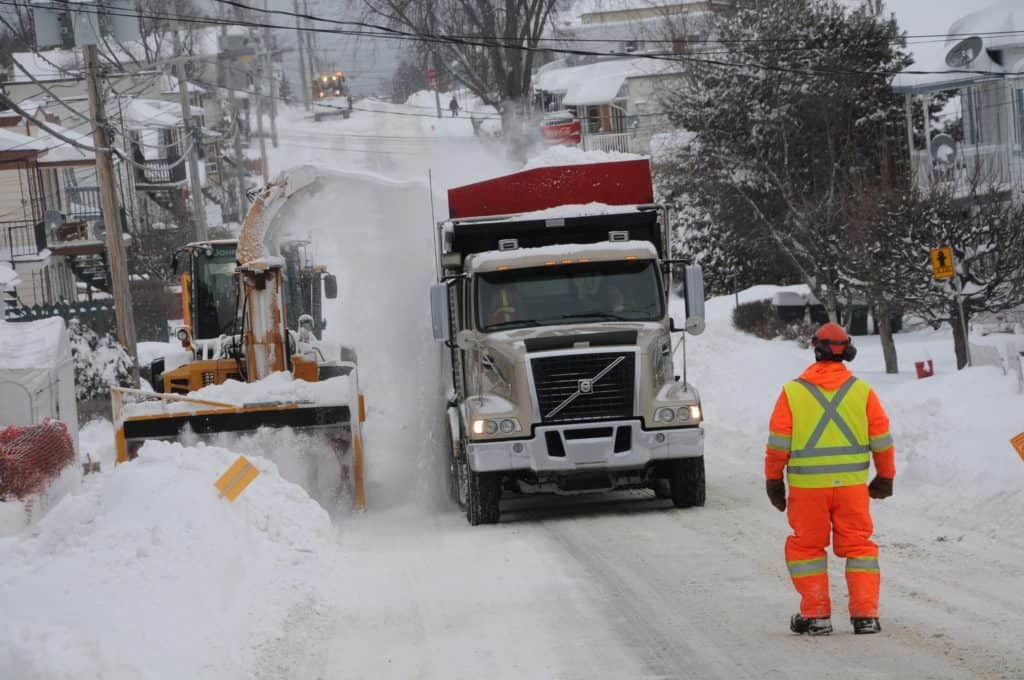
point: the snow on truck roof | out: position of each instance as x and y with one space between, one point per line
525 258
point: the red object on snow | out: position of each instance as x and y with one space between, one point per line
924 369
561 133
32 457
614 183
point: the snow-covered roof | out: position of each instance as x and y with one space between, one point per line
12 141
1001 24
156 113
47 65
597 83
33 344
59 151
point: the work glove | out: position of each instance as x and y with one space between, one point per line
776 489
880 487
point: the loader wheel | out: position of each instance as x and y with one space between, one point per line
687 482
482 506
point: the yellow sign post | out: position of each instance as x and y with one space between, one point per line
1018 443
233 482
942 263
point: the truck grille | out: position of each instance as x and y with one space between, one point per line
558 378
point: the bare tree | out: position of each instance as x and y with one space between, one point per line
488 46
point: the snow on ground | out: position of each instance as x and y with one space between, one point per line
148 573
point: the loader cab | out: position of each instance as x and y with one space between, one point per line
209 287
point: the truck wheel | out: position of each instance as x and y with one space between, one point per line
687 482
484 495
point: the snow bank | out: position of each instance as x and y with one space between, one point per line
148 573
571 155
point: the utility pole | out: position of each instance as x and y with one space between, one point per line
437 90
193 136
311 57
239 158
304 83
268 40
116 258
258 93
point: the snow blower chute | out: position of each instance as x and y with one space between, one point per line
256 386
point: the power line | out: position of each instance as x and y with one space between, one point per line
390 33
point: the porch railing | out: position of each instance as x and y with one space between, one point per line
21 239
83 203
622 142
970 168
160 172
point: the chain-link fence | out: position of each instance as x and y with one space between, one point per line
32 457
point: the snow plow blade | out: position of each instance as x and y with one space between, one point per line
320 432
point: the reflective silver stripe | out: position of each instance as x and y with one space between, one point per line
829 451
831 413
881 443
779 441
825 469
861 563
807 568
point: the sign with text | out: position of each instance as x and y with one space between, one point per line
942 263
233 482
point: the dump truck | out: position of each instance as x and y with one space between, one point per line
236 296
553 302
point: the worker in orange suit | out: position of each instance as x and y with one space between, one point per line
826 426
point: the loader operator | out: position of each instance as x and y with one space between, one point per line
824 426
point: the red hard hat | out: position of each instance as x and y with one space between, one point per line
832 334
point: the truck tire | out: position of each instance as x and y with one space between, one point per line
687 482
482 506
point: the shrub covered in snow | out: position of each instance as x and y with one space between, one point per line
758 318
99 361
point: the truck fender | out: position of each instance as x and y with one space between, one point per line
455 431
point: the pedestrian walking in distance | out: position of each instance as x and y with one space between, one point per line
826 426
453 106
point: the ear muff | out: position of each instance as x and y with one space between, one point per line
823 351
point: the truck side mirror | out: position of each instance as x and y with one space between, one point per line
440 319
330 286
694 293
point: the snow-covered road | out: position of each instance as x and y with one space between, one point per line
613 586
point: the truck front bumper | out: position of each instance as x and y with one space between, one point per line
586 446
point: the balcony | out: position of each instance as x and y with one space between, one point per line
159 173
83 204
622 142
989 168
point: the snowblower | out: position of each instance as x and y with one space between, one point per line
253 384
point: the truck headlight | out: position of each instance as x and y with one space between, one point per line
665 415
695 413
491 427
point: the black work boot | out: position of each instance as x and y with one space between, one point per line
866 625
805 626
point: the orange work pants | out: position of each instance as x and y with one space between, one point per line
843 513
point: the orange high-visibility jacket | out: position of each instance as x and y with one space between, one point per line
829 375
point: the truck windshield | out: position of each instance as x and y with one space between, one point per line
584 292
216 292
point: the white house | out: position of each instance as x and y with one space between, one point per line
982 59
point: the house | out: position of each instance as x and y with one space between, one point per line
982 61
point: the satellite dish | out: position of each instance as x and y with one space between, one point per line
942 148
964 52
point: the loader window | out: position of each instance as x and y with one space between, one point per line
575 293
216 293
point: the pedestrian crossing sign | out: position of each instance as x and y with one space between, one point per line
1018 443
942 263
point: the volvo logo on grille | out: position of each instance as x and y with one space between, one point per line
585 386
